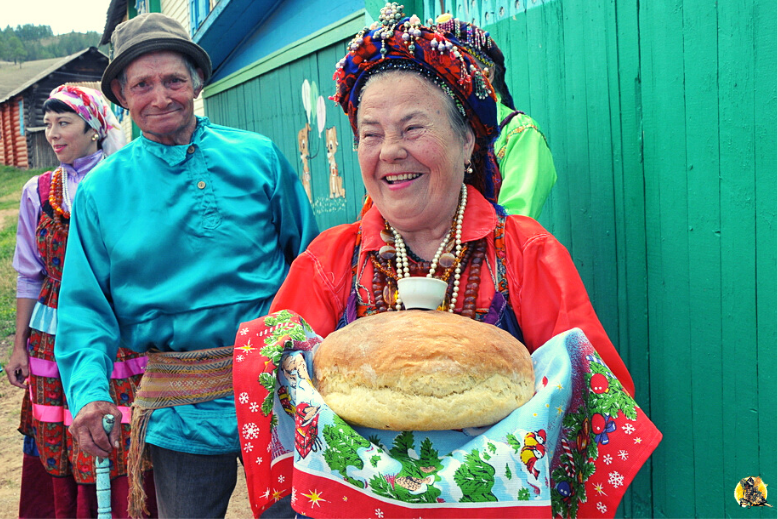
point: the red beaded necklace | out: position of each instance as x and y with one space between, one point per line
56 196
385 279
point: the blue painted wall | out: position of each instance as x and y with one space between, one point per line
291 21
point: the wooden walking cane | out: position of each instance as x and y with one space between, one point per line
103 473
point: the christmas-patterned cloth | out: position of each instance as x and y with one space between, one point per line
570 451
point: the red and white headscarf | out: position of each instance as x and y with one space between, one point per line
92 107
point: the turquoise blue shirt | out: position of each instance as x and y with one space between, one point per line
172 247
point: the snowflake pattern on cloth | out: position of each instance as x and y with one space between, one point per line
565 453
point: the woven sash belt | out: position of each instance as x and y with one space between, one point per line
171 379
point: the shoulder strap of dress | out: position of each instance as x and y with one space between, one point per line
355 254
499 245
44 186
508 118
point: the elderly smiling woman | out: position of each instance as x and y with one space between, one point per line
424 120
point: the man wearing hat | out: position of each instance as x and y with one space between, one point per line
176 239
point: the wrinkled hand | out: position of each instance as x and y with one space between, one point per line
18 368
87 428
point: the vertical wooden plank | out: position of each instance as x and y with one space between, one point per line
229 108
516 7
470 12
513 37
271 94
535 50
286 99
262 114
704 222
502 10
630 233
738 245
221 109
240 108
260 105
543 34
764 16
630 216
249 95
576 181
556 214
428 9
661 40
218 109
599 246
208 108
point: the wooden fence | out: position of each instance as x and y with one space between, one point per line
662 120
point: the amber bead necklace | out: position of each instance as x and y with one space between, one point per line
58 191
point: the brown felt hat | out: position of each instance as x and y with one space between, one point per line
150 32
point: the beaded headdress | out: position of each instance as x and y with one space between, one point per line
474 39
91 106
480 44
400 42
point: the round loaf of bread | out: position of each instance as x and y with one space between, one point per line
422 370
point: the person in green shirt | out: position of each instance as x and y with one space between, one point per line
523 154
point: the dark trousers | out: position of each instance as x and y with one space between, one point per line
193 485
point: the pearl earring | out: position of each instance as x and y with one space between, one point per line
468 168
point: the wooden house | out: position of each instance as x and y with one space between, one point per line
23 90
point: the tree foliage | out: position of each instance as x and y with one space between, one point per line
33 42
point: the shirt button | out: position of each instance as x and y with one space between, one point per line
201 185
190 149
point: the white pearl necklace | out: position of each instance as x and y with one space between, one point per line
402 256
65 194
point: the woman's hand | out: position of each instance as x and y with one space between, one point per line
87 428
18 367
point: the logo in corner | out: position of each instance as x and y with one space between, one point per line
751 491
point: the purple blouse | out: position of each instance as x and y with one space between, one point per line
27 259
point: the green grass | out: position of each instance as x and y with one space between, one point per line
11 182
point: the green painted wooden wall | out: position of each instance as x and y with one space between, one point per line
271 104
662 120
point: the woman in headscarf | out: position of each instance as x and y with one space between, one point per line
58 480
424 118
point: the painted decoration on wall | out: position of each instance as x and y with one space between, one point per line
321 114
336 181
302 142
316 115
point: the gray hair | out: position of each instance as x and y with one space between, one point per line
457 121
197 81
